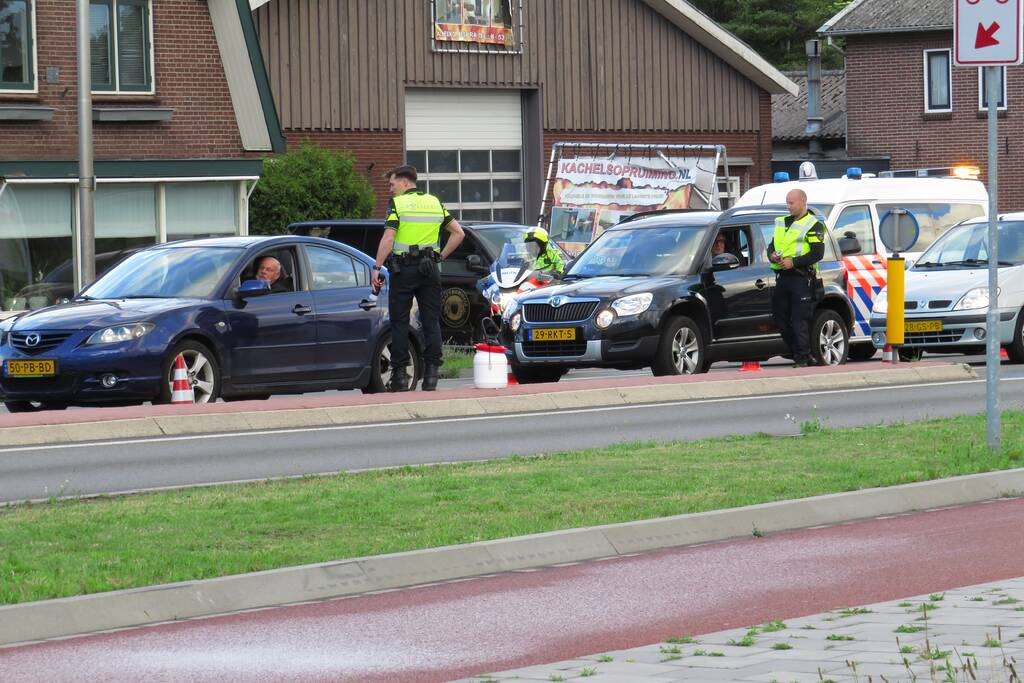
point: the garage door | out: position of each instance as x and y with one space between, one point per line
467 146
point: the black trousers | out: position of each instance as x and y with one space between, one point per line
409 283
792 307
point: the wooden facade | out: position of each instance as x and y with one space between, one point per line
600 65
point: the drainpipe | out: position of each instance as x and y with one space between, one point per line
815 120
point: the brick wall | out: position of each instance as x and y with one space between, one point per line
885 112
189 78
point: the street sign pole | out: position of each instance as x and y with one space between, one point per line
84 243
994 77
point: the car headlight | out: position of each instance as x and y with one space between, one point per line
881 304
605 317
514 322
633 305
120 333
976 298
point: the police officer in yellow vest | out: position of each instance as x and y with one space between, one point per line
411 250
797 246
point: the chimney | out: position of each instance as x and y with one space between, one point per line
815 120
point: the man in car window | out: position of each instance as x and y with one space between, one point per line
410 247
719 246
797 246
269 270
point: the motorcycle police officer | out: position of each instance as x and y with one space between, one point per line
411 250
548 259
796 247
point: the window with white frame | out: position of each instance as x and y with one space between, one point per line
938 83
983 89
17 45
473 184
121 40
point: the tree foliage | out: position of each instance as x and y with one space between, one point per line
776 29
308 183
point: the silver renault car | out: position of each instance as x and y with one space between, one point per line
947 297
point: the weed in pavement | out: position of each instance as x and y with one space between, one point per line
605 658
745 641
837 636
682 640
773 626
782 646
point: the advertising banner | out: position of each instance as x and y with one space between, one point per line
591 194
473 21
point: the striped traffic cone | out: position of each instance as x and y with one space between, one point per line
887 354
750 366
1003 354
512 379
181 388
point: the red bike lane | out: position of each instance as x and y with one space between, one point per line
457 629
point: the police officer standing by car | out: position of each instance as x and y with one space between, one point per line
410 248
796 247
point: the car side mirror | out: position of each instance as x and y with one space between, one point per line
251 288
724 262
475 264
849 244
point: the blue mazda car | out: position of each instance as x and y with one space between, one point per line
318 327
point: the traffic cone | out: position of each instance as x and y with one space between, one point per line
181 388
750 366
512 379
887 354
1003 354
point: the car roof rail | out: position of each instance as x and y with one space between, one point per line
752 208
659 212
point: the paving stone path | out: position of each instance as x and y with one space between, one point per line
968 634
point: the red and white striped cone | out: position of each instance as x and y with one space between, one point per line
1003 354
181 388
512 379
887 354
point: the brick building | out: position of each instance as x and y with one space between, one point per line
182 115
906 100
479 115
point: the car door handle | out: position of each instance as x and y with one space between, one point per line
760 284
367 304
299 309
876 262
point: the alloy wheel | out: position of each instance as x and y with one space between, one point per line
200 375
685 351
832 343
385 364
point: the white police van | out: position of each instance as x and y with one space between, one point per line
856 204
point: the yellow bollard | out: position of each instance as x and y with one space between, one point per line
894 317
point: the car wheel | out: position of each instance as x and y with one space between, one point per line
1015 350
33 406
380 367
681 350
859 353
202 368
543 374
830 340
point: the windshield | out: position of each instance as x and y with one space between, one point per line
497 238
184 272
668 250
966 246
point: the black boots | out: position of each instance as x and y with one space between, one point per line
430 378
399 380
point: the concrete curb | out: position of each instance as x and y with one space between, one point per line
176 425
191 599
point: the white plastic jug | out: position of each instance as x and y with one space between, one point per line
490 367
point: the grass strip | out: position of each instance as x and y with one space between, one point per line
455 361
72 547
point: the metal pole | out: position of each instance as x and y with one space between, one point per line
84 243
994 78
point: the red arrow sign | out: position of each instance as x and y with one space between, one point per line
985 37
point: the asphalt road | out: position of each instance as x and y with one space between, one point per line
39 472
457 629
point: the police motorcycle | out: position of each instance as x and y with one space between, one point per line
512 273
